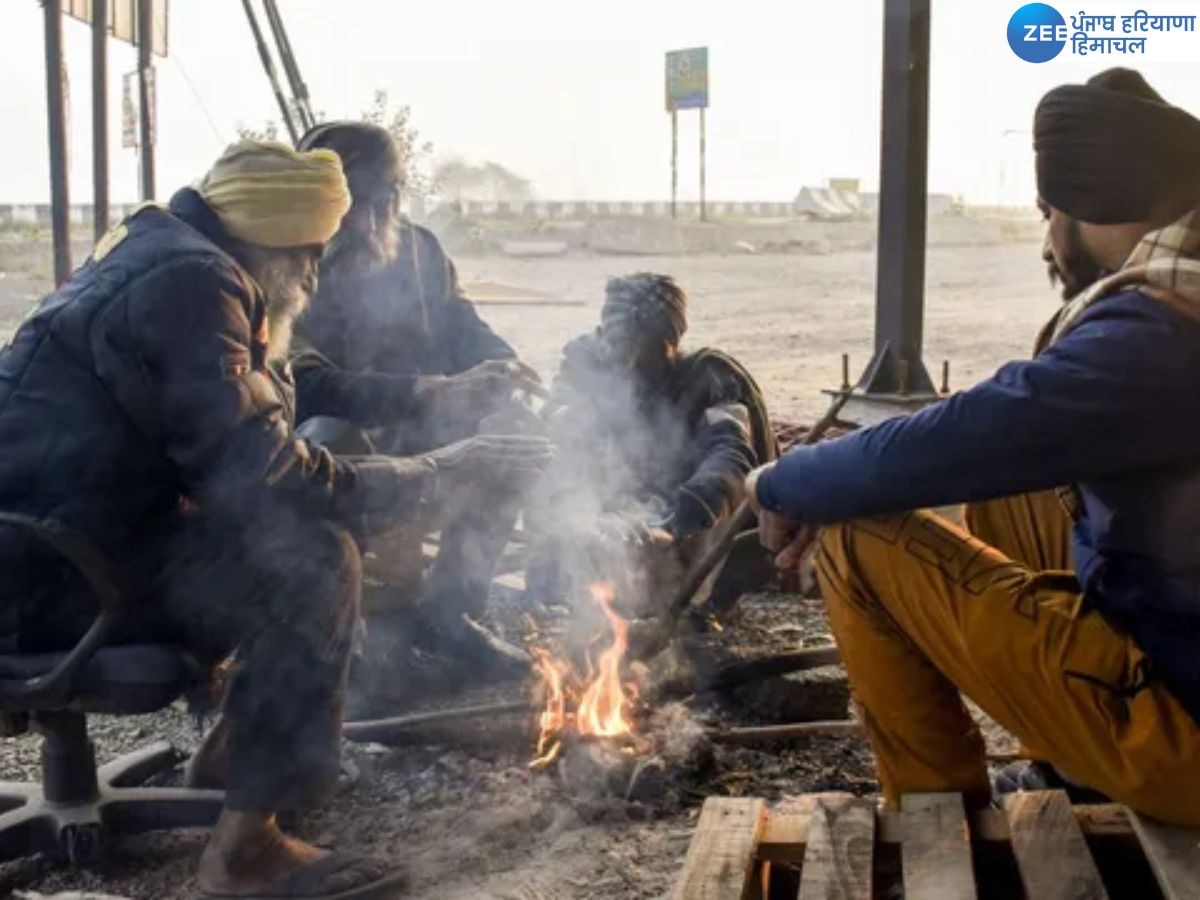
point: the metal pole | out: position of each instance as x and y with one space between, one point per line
145 99
900 279
674 162
268 65
57 117
703 166
290 68
100 116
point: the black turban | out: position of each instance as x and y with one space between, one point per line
369 154
655 302
1108 151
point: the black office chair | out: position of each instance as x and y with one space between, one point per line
68 814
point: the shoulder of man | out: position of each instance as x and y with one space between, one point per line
421 241
716 372
1170 321
174 280
151 241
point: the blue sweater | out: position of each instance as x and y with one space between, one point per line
1111 408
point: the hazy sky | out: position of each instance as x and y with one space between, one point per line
569 94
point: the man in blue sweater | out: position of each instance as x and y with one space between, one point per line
1096 671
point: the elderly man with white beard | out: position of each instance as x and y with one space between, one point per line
398 358
138 407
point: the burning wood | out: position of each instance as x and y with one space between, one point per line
593 704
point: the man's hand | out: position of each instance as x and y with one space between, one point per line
477 392
484 460
691 515
789 540
632 531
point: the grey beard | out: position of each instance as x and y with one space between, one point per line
286 302
280 326
350 254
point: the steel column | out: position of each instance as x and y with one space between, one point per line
897 368
145 39
100 115
56 115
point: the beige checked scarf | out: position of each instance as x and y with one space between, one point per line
1164 265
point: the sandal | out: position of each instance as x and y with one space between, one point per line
333 877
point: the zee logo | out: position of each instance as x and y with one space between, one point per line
1037 32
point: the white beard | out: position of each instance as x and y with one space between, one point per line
286 301
279 335
350 254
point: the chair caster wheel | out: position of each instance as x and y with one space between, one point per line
82 845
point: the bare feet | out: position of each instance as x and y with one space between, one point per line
247 852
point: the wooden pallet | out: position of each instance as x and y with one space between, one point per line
840 847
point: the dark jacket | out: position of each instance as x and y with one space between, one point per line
142 383
1110 407
689 439
408 319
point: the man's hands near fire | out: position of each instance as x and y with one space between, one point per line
632 531
478 392
390 490
491 459
788 539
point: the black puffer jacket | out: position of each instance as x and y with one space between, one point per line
408 319
368 336
143 383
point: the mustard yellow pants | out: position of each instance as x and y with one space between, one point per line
924 612
1031 529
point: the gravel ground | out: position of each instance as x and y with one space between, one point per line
476 823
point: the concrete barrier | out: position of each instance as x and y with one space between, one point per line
37 215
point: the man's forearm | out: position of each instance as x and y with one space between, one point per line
368 399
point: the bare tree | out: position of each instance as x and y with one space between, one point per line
455 179
398 123
413 152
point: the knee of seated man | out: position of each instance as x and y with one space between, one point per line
833 552
329 562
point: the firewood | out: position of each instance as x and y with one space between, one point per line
403 729
770 734
745 671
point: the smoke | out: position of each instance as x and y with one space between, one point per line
621 452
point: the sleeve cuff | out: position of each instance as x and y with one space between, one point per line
764 490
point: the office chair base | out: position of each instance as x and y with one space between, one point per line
74 830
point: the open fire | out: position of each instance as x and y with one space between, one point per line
594 703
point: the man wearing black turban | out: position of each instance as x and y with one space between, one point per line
1093 667
392 355
654 444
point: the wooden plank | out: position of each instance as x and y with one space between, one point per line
784 838
936 848
1052 856
786 834
841 850
1174 855
720 861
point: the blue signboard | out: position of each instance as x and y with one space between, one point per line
687 79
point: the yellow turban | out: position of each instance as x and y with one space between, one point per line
268 194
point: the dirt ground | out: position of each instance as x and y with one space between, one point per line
476 823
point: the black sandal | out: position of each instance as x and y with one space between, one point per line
333 877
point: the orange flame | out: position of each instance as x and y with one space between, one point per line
603 706
554 717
